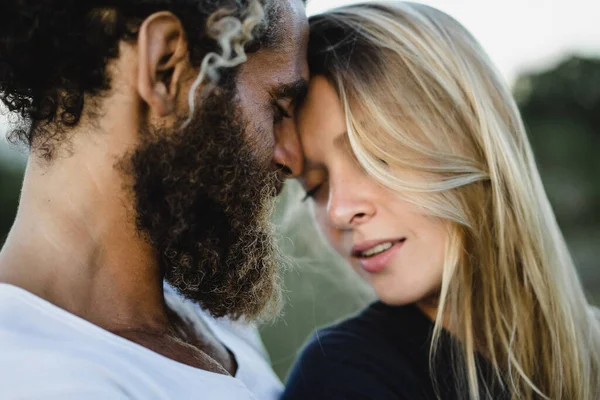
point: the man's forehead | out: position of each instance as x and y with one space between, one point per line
281 70
285 59
288 23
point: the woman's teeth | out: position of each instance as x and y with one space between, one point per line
380 248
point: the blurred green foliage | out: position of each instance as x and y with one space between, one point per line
561 110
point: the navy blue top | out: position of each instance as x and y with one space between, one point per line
380 354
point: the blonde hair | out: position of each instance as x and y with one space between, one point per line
421 95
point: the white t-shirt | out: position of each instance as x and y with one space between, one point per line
49 353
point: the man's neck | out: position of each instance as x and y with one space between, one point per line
74 243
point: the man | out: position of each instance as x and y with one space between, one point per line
160 132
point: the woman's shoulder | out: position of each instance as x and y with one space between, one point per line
389 333
386 322
379 327
379 354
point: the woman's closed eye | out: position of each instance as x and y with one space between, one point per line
313 180
312 192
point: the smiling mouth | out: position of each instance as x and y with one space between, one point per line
376 250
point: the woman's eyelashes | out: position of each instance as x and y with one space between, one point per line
312 192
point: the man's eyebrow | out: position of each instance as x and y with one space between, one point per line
296 91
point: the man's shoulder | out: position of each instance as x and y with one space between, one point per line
29 321
72 369
59 351
37 346
34 365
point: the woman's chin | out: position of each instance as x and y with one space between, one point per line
400 292
400 298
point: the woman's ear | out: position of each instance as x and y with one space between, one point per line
162 60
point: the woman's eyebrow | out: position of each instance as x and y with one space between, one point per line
342 141
311 165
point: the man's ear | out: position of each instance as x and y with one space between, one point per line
162 60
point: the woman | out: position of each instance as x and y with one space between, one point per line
420 174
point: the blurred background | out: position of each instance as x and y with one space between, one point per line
549 53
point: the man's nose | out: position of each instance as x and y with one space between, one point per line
288 152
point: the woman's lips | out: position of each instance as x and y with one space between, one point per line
374 256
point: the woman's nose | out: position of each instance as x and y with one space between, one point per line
349 203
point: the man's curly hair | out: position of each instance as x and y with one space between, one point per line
54 53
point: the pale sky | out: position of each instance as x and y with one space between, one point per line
519 35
